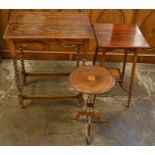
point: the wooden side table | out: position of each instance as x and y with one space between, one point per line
91 81
120 36
68 30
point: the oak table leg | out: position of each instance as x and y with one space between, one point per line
21 58
18 82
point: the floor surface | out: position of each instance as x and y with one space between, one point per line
50 122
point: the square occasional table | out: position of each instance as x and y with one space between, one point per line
67 30
120 36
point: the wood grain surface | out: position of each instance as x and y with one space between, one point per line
119 36
91 80
43 25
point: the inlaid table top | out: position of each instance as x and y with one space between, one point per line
44 25
119 36
91 79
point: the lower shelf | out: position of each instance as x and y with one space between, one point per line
40 87
115 72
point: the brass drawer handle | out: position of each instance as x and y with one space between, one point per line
68 45
22 46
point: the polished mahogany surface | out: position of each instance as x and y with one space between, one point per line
119 36
91 79
44 25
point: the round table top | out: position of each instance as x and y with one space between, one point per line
91 79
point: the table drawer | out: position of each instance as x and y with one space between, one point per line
46 45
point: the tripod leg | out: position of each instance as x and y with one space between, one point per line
88 138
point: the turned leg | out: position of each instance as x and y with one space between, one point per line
88 128
89 112
80 100
21 58
84 111
90 109
18 82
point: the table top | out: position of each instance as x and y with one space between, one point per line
91 79
119 36
44 25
